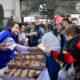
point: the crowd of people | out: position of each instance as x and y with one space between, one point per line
60 40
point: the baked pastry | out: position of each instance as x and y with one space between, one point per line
32 62
37 73
32 57
27 63
24 73
36 63
17 74
28 56
20 56
39 56
18 63
12 72
31 73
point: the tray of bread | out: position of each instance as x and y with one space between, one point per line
29 56
29 61
29 64
25 66
22 73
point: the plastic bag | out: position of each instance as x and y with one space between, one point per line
71 73
62 75
77 73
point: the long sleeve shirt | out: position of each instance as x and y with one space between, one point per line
16 46
53 42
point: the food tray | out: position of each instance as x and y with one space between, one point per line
9 78
23 57
33 61
23 65
20 74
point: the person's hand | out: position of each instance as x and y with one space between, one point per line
3 46
64 52
44 48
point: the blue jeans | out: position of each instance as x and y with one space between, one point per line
53 67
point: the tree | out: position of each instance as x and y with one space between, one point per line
51 6
1 14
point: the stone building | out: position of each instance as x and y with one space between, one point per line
11 8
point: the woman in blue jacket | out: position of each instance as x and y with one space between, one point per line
9 36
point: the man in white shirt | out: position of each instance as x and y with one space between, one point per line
22 39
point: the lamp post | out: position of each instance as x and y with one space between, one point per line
43 10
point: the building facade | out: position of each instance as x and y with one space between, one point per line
11 9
